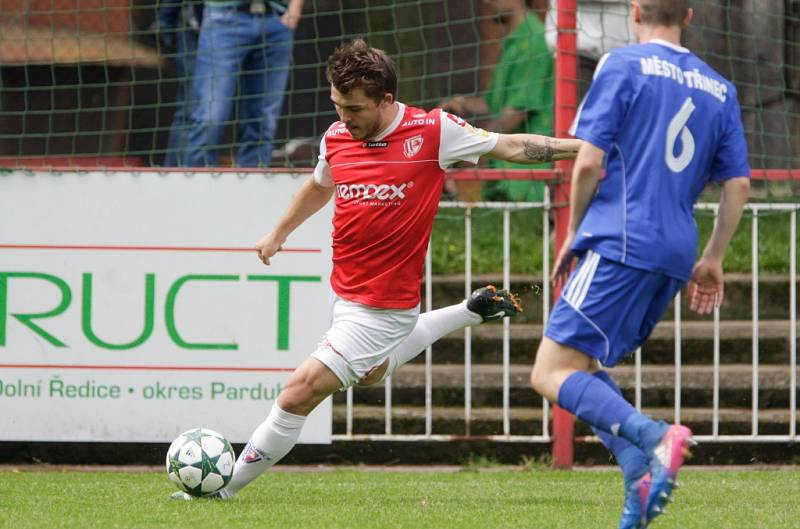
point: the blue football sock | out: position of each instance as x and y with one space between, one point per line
632 461
643 431
594 402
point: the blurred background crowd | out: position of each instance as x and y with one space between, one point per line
241 84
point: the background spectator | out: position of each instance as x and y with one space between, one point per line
177 25
244 54
520 94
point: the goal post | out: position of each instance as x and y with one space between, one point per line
566 105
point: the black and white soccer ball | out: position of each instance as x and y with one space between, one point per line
200 461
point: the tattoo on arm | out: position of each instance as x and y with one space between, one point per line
536 151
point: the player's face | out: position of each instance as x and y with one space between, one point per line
363 116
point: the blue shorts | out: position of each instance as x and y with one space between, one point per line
607 310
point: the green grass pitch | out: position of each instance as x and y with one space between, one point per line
352 498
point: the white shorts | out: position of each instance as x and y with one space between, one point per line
362 337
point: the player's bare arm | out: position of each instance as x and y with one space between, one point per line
585 178
533 148
309 199
706 287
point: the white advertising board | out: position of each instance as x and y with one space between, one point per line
133 305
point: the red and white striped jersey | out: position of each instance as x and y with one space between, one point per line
387 194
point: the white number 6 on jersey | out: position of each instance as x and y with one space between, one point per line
678 125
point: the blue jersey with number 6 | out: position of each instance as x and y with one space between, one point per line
669 124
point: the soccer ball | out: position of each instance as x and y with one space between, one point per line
200 461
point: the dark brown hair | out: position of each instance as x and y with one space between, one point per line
356 65
663 12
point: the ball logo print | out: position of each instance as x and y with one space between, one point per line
412 145
200 462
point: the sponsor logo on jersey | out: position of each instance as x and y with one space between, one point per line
412 145
338 130
418 121
375 144
364 192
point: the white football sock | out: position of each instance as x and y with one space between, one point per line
430 327
269 443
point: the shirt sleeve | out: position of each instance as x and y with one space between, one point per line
605 107
322 172
460 141
731 160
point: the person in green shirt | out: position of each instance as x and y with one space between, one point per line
519 98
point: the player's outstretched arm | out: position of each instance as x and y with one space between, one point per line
706 287
533 148
309 199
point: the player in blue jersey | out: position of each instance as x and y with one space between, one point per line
666 125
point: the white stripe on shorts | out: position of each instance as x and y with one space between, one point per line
567 294
579 281
595 260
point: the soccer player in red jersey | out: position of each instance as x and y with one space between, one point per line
385 164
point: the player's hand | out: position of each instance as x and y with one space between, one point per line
269 245
563 264
706 287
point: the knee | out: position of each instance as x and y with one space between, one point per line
547 381
208 109
198 117
292 400
300 397
208 116
538 378
544 374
